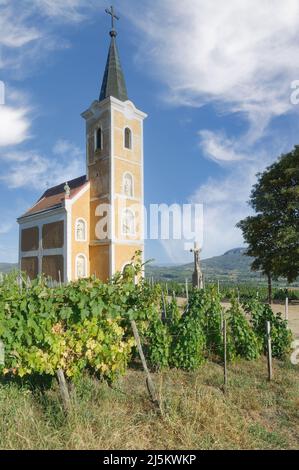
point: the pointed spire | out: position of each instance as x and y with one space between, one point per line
114 81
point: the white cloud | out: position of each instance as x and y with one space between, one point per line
14 125
35 171
14 32
219 148
66 148
64 11
240 55
5 227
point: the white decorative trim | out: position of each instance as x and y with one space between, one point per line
126 160
81 219
121 241
128 108
34 218
112 201
133 184
127 198
142 194
127 209
69 271
81 255
80 193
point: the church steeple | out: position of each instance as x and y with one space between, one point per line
114 81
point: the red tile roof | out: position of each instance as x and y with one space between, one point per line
54 197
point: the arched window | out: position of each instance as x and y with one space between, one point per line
128 138
80 235
99 139
128 222
128 185
81 266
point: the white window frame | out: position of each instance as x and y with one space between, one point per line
81 255
133 184
81 219
124 138
133 234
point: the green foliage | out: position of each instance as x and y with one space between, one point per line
243 340
188 344
273 233
281 336
82 325
158 344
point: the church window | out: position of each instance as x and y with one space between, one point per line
128 222
99 139
81 266
128 185
80 228
128 138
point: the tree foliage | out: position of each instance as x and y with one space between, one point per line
273 233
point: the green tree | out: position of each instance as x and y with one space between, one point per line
273 233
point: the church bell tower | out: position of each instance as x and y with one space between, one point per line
114 161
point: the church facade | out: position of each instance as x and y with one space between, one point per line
93 225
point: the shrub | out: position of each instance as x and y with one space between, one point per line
281 336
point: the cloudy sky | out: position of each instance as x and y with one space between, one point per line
215 78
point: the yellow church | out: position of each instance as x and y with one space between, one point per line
93 224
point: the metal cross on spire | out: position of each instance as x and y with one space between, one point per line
111 12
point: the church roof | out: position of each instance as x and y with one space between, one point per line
53 198
114 81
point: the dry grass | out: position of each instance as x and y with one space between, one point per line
195 413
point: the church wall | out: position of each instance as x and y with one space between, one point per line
124 254
121 121
106 169
121 205
99 261
95 219
80 210
102 121
131 161
99 176
121 167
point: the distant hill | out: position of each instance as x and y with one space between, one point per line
233 266
7 267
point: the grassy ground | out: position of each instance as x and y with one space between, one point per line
254 414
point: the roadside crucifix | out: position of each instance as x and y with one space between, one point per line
197 278
111 12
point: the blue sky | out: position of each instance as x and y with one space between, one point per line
215 79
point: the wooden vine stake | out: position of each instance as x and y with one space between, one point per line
150 384
269 351
224 354
187 291
164 311
287 309
64 391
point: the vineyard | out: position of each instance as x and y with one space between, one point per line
84 329
245 291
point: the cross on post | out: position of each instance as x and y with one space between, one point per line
111 12
197 278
